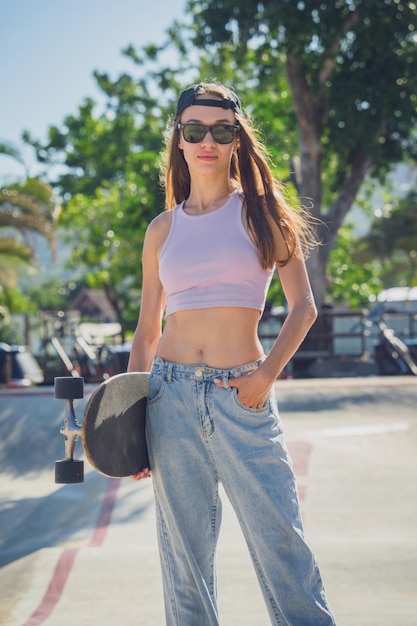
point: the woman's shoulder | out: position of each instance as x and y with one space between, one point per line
159 228
161 221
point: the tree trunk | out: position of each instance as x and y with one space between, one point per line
310 124
115 302
316 267
309 119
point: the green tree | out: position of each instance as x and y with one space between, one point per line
109 183
26 207
53 294
393 240
351 68
332 84
352 278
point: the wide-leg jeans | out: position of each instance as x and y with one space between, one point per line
199 434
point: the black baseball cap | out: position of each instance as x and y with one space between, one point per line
189 97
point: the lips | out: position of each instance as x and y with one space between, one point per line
207 157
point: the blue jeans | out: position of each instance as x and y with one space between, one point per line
198 435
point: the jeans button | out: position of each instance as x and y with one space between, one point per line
198 372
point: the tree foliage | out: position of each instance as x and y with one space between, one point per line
27 206
109 182
351 67
393 240
352 278
331 85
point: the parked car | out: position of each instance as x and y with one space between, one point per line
18 367
396 300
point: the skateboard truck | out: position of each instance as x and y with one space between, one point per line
69 470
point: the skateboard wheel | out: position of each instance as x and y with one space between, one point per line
69 388
69 471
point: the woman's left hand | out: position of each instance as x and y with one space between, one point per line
252 391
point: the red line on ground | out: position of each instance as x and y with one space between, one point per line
104 517
55 588
300 453
66 561
302 492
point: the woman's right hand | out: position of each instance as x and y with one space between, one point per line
145 473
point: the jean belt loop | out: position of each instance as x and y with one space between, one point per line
169 372
225 380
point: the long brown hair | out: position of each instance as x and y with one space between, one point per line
249 171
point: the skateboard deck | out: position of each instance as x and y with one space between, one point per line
113 426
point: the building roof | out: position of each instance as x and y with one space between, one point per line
95 305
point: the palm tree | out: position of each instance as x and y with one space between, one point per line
26 206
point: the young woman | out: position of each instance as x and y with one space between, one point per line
212 416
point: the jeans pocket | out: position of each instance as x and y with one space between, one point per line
156 387
264 409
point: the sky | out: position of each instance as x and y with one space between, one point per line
49 50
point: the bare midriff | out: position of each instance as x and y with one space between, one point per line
222 337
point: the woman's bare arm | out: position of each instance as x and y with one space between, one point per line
148 330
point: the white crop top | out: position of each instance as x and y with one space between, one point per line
209 260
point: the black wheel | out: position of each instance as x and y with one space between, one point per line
69 471
69 388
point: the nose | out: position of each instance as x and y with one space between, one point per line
210 139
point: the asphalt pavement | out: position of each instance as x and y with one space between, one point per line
86 554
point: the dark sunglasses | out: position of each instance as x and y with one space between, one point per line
221 133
